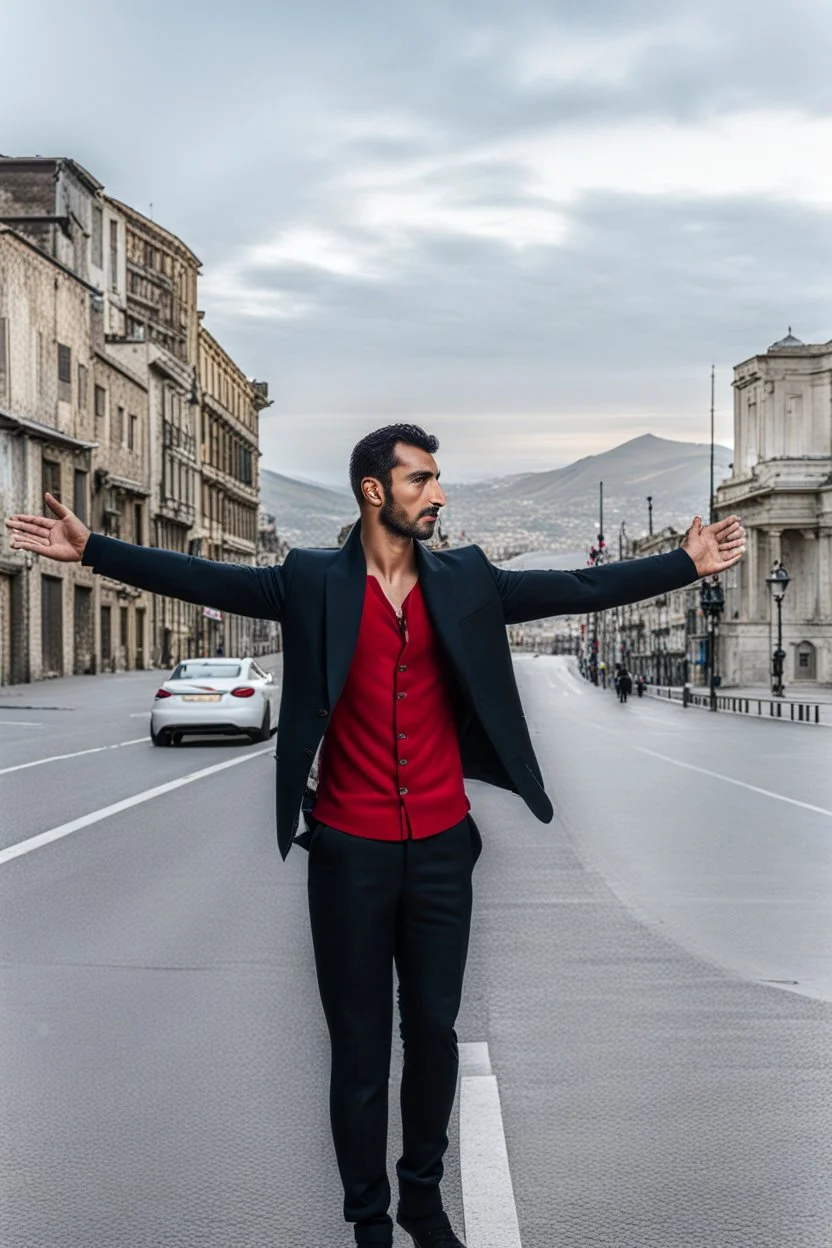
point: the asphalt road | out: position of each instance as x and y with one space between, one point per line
165 1058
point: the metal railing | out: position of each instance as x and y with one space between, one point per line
798 712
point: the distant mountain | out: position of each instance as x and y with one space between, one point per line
307 514
554 511
558 510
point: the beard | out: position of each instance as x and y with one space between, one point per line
396 520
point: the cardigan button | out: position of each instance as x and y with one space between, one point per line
323 713
402 762
403 792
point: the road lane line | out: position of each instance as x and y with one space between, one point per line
742 784
56 758
21 723
74 825
487 1192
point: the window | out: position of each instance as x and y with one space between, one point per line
138 524
64 373
112 520
106 636
114 255
51 478
118 430
201 670
133 433
79 495
100 402
83 395
123 627
97 238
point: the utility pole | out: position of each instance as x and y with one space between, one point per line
650 514
711 496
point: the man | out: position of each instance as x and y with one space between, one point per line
396 663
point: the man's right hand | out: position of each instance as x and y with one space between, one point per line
63 539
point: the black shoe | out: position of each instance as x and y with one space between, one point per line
439 1236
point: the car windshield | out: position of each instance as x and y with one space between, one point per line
201 671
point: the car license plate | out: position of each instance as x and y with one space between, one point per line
201 697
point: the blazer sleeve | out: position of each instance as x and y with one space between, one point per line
535 595
233 587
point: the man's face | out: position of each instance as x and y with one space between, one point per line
415 497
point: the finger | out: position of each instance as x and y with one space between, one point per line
738 542
44 521
23 526
731 560
28 543
721 526
58 508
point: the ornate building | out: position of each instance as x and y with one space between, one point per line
144 376
230 413
781 487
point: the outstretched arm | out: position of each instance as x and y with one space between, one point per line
535 595
233 587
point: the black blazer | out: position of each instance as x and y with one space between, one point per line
318 596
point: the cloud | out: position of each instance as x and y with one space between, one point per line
548 217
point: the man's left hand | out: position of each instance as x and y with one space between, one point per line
715 547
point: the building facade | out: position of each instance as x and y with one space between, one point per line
52 615
230 479
117 388
781 487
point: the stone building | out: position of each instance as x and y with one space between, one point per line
229 459
52 615
271 549
663 639
160 344
781 487
150 375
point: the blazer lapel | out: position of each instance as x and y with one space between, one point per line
346 584
437 589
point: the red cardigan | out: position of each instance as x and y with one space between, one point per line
390 765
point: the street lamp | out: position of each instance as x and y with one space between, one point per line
778 583
712 602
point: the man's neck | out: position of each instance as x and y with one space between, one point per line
388 556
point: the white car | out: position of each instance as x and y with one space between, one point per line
222 696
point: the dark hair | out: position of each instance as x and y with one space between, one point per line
374 455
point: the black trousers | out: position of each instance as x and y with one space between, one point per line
373 903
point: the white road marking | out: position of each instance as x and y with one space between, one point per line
56 758
487 1192
22 723
742 784
95 816
139 714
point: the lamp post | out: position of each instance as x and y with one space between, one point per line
712 602
778 583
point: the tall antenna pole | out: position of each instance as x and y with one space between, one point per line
601 515
711 504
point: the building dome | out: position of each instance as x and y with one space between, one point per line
788 341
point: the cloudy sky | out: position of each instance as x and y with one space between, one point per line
531 227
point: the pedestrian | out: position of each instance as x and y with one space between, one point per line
603 670
397 665
640 685
625 685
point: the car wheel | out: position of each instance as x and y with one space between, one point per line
177 738
159 738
